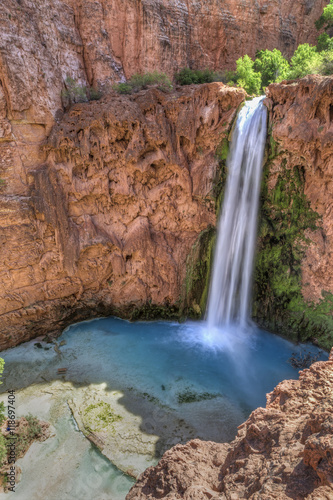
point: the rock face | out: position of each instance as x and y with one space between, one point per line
105 217
102 212
302 117
282 451
294 280
106 40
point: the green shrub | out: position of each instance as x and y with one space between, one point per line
247 77
34 427
30 433
326 19
326 65
123 88
3 449
76 93
189 76
94 94
325 42
305 61
272 66
143 81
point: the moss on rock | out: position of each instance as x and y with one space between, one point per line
198 270
99 415
286 214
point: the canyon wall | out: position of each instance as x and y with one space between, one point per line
103 218
282 451
102 41
294 279
126 186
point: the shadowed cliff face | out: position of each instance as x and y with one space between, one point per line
105 219
282 451
294 280
302 117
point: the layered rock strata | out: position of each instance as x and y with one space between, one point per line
102 218
282 451
104 41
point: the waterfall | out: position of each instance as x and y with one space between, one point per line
230 292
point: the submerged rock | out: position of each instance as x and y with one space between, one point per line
282 451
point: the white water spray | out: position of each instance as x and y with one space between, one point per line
229 298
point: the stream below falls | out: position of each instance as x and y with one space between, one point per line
136 389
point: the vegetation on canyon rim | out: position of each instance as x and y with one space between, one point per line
139 82
76 93
269 66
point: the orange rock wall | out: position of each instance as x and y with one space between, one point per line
302 120
104 219
64 201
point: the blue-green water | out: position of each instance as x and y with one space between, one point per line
211 380
163 359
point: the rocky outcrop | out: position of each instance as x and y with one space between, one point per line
282 451
103 219
294 279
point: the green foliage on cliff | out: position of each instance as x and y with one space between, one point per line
189 76
305 61
247 77
278 301
198 271
143 81
75 92
272 66
325 43
326 19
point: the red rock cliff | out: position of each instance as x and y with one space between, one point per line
102 218
294 279
63 206
104 40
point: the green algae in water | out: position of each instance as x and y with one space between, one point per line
100 415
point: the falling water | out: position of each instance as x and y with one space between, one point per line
229 298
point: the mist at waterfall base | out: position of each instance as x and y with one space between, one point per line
228 327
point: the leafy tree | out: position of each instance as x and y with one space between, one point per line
272 66
247 77
326 66
325 42
326 19
305 61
